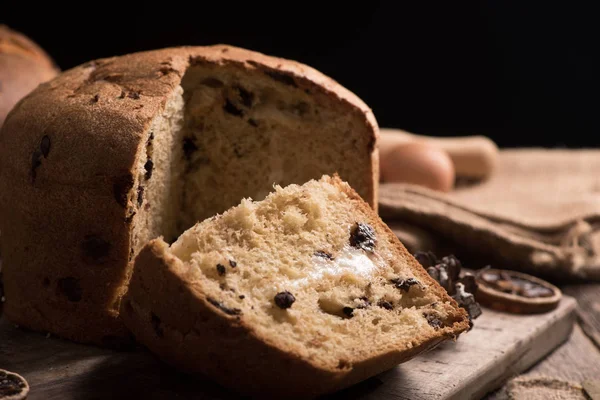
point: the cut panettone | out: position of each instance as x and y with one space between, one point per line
118 151
300 294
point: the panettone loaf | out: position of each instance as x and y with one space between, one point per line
303 293
118 151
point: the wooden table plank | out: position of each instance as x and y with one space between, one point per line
499 346
576 361
588 297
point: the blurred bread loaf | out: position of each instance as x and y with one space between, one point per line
23 66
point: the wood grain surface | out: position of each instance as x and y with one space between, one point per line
500 346
577 361
588 297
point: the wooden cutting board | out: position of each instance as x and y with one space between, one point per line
500 346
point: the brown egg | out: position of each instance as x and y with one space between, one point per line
418 163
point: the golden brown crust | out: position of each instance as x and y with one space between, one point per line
186 331
67 157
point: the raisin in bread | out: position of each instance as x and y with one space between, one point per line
105 157
301 294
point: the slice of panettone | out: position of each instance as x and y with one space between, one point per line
300 294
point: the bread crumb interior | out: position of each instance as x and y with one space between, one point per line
299 241
228 133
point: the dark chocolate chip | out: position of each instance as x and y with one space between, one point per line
121 187
189 148
148 167
444 278
70 288
434 273
348 311
232 263
453 267
404 284
135 95
122 95
230 108
95 249
284 300
221 269
95 98
362 236
212 83
156 325
470 283
45 146
241 296
226 310
140 198
433 320
467 301
426 258
385 304
365 302
36 161
282 77
246 97
11 385
253 122
445 271
323 254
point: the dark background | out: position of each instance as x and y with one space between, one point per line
523 74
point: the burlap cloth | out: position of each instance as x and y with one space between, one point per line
539 213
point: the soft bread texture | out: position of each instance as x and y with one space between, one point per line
105 157
286 298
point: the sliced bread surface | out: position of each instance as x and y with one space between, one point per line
300 294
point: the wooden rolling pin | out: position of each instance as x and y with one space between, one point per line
473 156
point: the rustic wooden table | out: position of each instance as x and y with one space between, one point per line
572 366
572 371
